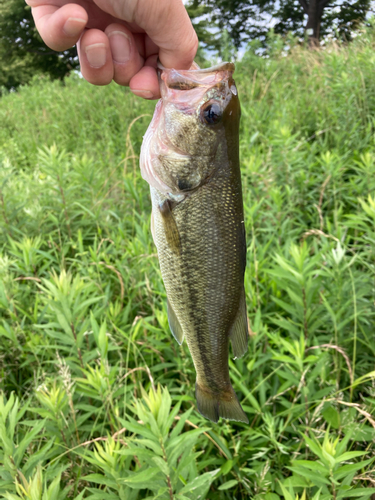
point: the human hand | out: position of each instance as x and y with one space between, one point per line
120 40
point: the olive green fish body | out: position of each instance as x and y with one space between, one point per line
200 238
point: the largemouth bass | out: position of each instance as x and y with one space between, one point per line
190 158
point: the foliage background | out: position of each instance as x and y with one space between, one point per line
22 51
222 26
84 339
247 21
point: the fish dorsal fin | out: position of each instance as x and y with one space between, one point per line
174 324
170 227
239 332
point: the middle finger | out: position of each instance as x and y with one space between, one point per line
126 58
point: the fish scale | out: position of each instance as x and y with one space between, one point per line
199 232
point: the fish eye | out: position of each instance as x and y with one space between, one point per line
211 113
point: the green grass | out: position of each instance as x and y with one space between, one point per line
84 337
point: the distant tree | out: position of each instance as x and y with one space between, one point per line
22 52
249 19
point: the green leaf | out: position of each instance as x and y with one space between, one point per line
142 476
219 441
163 466
182 440
346 469
316 479
332 417
362 379
349 455
80 496
136 451
317 495
225 468
296 481
180 424
27 440
311 465
140 429
363 493
314 447
254 403
99 479
101 495
228 484
53 490
199 481
186 459
287 495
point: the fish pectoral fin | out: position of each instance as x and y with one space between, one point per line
224 404
174 324
239 332
170 227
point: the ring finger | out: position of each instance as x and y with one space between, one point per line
95 57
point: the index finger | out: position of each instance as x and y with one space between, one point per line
59 26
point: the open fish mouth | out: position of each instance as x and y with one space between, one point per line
194 80
195 76
223 66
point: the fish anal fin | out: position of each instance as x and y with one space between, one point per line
239 333
224 404
174 324
170 227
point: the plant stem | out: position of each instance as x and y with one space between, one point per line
4 213
355 332
304 312
65 209
168 476
78 349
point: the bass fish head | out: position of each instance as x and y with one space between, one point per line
187 136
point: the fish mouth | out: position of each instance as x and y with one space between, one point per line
223 66
173 79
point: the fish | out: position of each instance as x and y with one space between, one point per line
190 158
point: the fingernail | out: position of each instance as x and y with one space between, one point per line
96 55
73 26
146 94
120 46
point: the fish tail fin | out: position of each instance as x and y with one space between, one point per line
214 405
